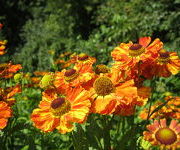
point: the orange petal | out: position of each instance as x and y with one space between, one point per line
144 41
3 123
104 105
163 122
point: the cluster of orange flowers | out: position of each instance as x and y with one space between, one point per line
7 93
7 71
72 94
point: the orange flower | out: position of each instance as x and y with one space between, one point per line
108 93
135 61
167 63
162 63
132 53
83 62
14 68
5 113
159 134
7 69
170 110
8 93
73 77
101 69
61 111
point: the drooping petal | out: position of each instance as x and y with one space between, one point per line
144 41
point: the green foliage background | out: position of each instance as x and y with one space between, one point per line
95 27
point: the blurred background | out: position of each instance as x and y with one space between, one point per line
35 29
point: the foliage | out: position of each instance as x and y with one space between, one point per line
97 25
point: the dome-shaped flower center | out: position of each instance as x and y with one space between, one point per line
101 69
103 86
70 75
136 50
163 56
60 106
166 136
83 57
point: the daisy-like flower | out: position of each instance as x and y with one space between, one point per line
132 53
73 77
101 69
82 59
108 93
5 113
162 64
7 70
7 94
167 63
80 74
159 134
60 111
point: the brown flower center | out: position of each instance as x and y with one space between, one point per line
60 106
163 56
101 69
83 57
70 75
136 50
103 86
166 136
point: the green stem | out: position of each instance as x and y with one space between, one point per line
99 143
107 137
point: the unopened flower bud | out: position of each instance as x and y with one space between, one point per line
18 77
47 80
143 143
